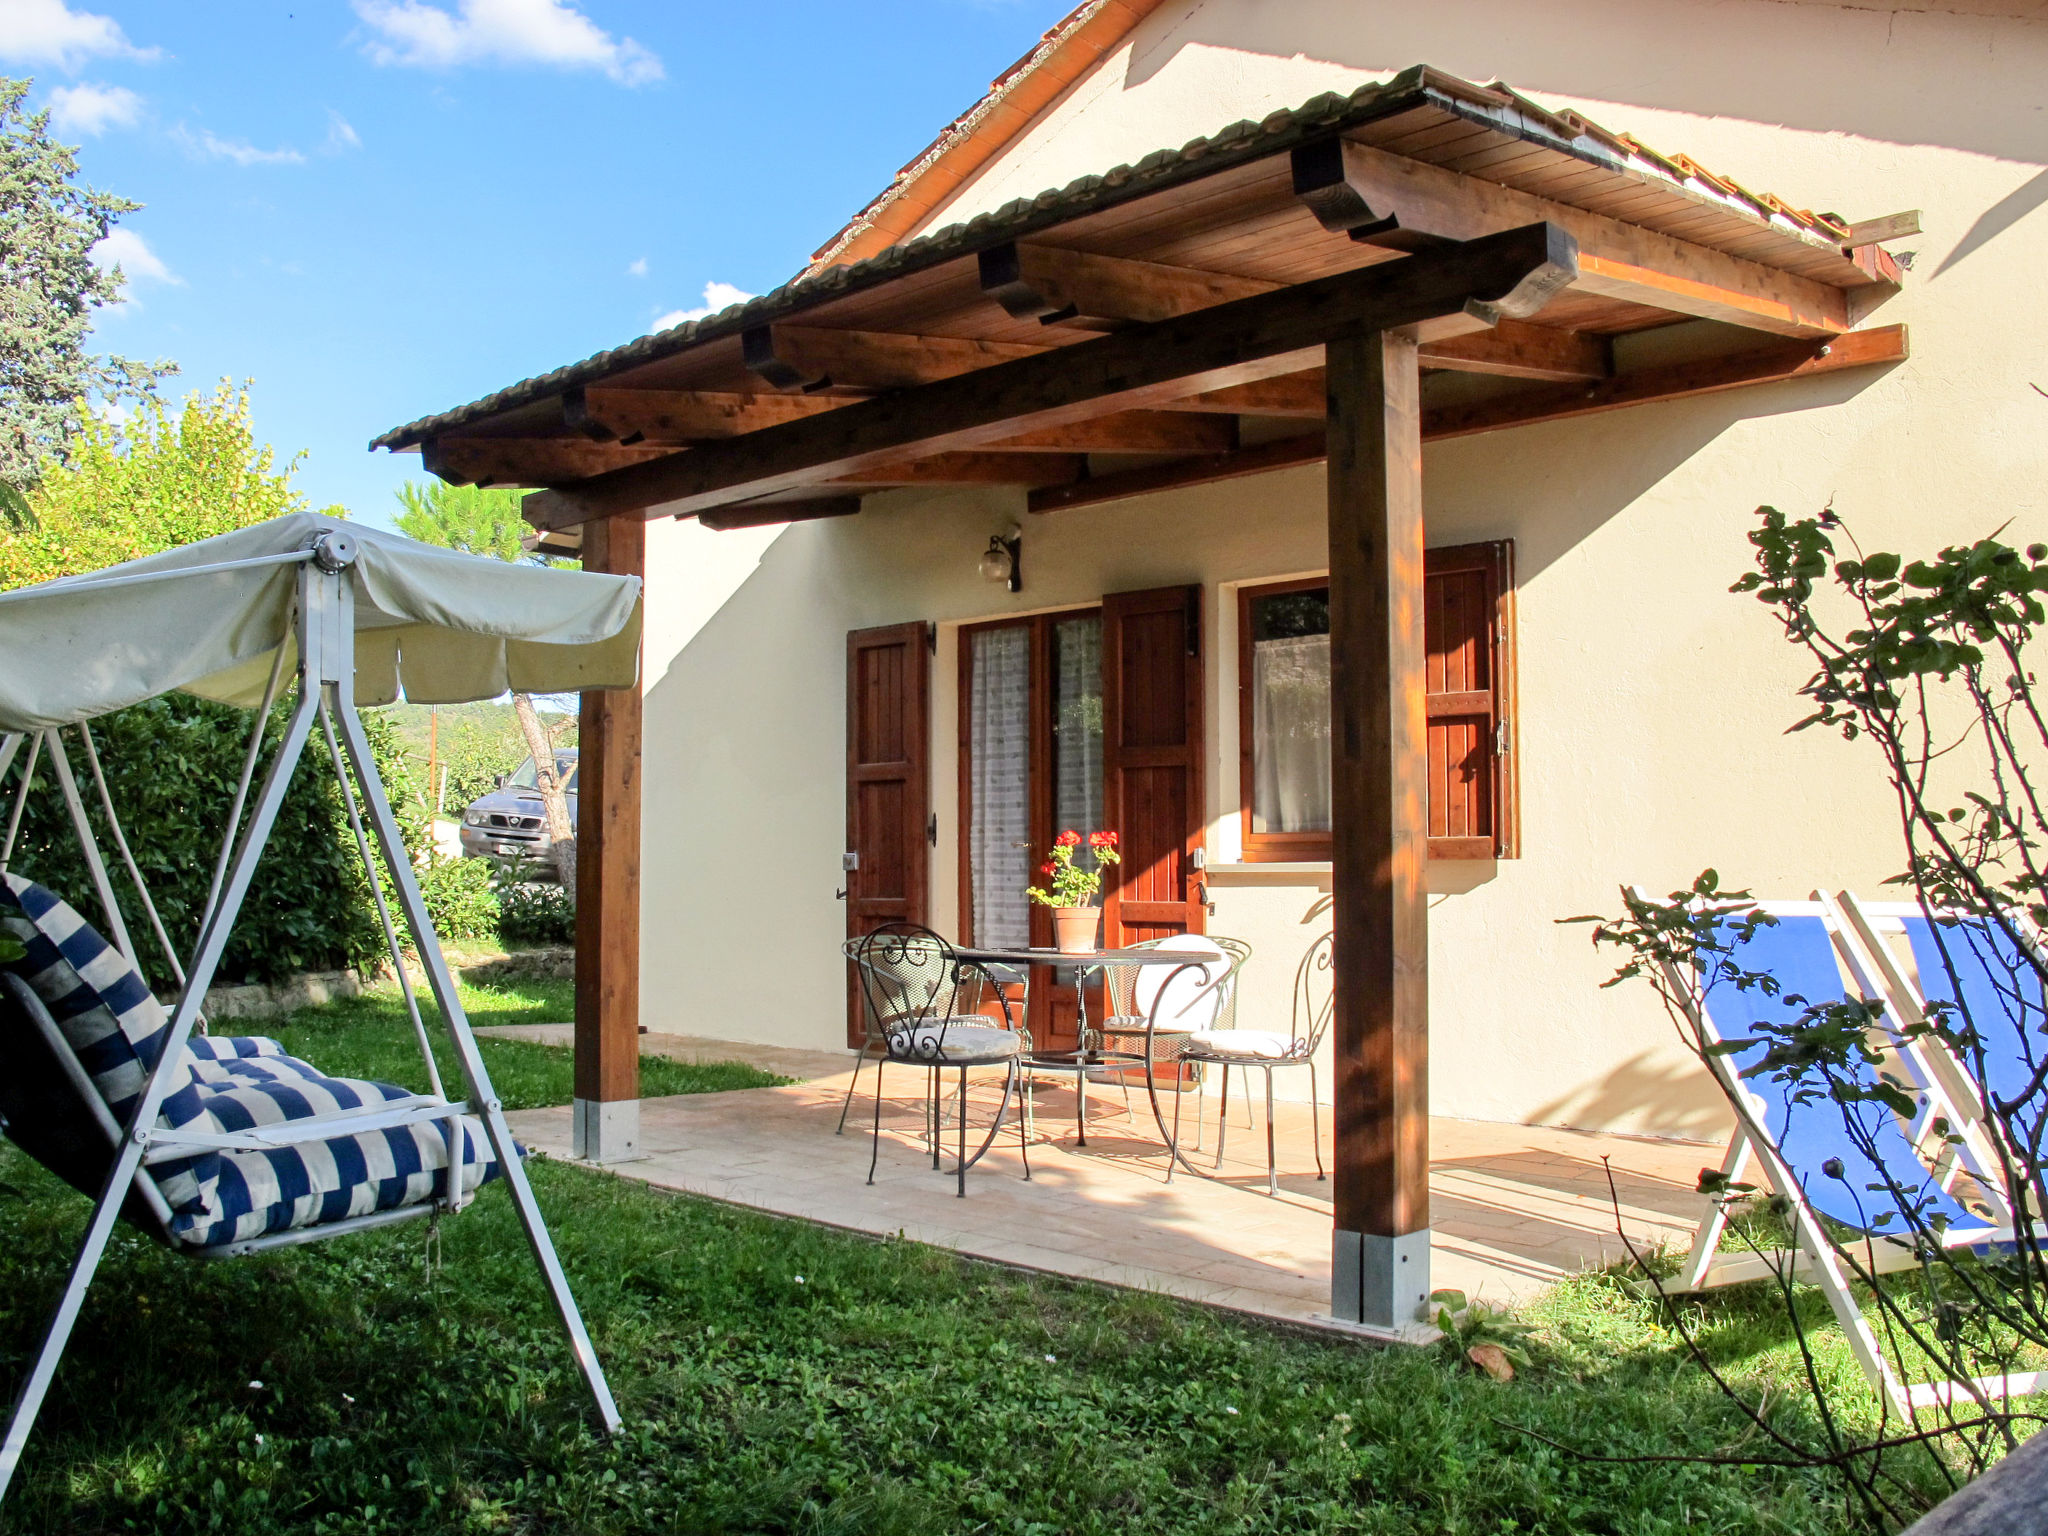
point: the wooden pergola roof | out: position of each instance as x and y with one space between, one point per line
725 418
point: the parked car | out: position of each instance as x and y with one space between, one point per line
511 824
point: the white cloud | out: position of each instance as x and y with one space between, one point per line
550 32
638 268
93 109
717 296
50 32
127 250
341 134
208 145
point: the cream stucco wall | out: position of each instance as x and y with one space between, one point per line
1653 703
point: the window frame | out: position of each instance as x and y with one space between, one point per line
1496 558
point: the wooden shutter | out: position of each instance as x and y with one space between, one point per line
888 787
1468 670
1152 761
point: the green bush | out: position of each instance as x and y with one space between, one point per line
532 913
171 765
461 900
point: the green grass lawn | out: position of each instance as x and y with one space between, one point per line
372 1036
782 1377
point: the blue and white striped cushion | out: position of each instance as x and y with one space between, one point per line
323 1181
226 1083
114 1025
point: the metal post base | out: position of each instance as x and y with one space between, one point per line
1380 1283
605 1130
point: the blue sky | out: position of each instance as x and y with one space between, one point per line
380 208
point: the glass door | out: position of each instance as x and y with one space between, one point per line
1030 768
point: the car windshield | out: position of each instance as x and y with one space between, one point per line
527 778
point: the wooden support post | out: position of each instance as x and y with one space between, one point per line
607 1104
1380 1269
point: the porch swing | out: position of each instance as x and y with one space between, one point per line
222 1147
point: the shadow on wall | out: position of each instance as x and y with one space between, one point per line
1678 1097
1581 475
1751 61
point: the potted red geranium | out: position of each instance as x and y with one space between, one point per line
1070 890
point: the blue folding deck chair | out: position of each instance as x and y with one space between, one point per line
1971 965
224 1147
1795 1143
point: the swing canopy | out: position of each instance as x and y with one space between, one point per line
209 618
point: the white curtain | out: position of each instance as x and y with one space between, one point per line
999 759
1291 734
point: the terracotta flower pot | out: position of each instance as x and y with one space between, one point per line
1074 928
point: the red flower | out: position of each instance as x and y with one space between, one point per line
1109 839
1047 867
1067 839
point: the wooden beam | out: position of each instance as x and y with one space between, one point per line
680 417
1347 205
1090 292
1647 386
811 358
1515 349
1379 833
607 1036
1893 226
1300 394
761 514
1029 469
1509 274
1259 459
1130 432
1672 381
1616 260
525 460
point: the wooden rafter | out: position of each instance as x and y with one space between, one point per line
1515 272
762 514
973 468
1056 286
810 358
525 461
680 417
1616 260
1674 381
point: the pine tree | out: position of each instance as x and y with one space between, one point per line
49 289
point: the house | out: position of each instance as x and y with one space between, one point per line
1363 454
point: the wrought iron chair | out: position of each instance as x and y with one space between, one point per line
1155 1010
922 1000
1226 1046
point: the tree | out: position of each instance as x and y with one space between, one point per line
1932 664
164 478
483 521
49 287
167 477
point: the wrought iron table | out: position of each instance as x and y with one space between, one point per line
1085 1058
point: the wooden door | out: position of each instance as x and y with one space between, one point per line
888 787
1152 762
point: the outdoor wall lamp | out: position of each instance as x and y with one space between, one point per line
1003 560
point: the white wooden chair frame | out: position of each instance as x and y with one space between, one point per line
1814 1258
324 628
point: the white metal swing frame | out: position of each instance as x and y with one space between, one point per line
323 625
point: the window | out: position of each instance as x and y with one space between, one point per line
1284 710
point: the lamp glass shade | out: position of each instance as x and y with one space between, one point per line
995 562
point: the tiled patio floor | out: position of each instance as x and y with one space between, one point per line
1514 1207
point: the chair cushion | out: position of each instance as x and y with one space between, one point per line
1241 1044
114 1025
957 1042
312 1183
226 1083
1181 999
